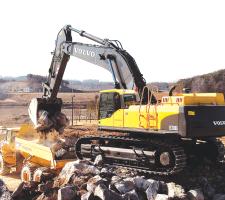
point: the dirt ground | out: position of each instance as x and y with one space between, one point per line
12 181
13 107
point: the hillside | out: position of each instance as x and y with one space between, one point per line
33 83
211 82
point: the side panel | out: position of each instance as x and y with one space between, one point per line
131 118
106 121
204 121
118 118
168 117
162 118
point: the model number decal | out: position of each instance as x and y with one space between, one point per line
173 128
219 123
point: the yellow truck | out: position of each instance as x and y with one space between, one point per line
22 151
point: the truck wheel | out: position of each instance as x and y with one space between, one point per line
27 173
4 169
39 174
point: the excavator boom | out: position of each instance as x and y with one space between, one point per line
108 54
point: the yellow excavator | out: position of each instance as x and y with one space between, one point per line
155 136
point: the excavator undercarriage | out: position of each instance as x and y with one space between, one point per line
153 155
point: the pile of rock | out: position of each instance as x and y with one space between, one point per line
64 148
84 180
4 192
45 122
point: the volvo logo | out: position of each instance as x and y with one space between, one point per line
84 52
219 123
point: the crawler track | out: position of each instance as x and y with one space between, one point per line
219 149
153 156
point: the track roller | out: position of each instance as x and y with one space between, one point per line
39 174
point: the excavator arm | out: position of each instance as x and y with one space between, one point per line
108 54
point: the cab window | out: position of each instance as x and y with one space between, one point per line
129 99
109 103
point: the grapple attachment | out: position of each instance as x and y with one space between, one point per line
40 107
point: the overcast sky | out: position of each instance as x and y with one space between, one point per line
168 39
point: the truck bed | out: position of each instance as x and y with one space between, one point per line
38 153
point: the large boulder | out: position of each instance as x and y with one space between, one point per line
131 195
49 195
162 197
18 192
87 196
80 181
152 190
43 187
141 183
175 190
103 193
196 194
98 160
4 192
66 193
124 186
79 168
115 179
207 189
94 182
219 197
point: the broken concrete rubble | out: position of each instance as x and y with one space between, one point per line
45 122
141 183
87 196
78 167
103 193
98 160
152 190
175 190
83 180
66 193
195 194
4 192
207 188
124 186
162 197
219 197
94 182
131 195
